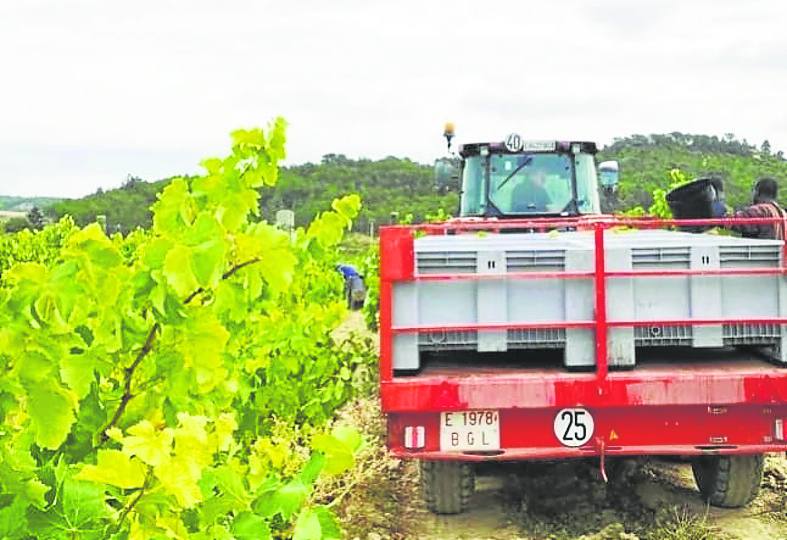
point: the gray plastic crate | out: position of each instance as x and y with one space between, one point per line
504 300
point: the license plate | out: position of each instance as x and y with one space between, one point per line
470 430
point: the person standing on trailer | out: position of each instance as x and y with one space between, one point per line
764 205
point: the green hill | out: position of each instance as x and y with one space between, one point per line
386 185
125 208
24 204
404 186
645 163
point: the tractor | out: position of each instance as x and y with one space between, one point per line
534 327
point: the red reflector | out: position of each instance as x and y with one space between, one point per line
414 437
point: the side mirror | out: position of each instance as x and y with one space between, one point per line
609 174
446 174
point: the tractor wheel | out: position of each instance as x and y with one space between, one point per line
728 481
447 485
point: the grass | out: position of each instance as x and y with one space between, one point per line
680 523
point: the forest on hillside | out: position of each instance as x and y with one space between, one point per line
645 161
402 186
386 185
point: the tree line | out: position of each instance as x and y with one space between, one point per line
402 186
387 185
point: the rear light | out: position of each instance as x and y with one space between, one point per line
414 437
778 429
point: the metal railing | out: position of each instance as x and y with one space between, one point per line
600 323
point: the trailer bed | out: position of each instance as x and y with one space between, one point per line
652 362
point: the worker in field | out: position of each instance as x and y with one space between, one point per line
764 205
354 286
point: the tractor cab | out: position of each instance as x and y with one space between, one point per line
518 178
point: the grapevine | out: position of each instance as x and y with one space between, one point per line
660 208
34 246
165 384
370 269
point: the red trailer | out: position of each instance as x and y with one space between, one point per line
722 406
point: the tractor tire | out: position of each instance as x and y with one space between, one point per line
728 481
447 485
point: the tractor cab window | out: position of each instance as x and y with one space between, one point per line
473 187
530 183
587 184
536 183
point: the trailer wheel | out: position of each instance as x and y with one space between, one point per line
447 485
728 481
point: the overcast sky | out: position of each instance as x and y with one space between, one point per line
93 90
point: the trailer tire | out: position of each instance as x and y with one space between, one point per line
447 485
728 481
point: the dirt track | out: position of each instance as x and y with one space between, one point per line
661 494
657 500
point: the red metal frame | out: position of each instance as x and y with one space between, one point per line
671 398
601 305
